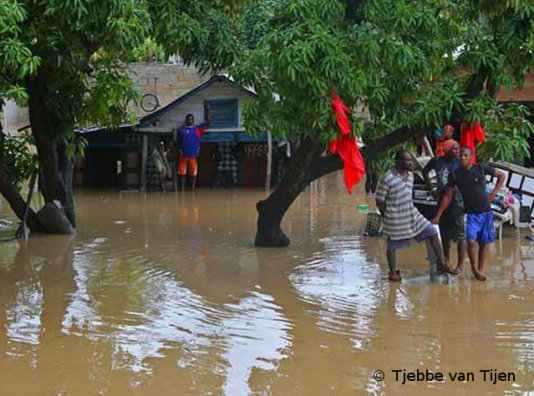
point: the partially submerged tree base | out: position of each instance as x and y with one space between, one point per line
54 220
272 238
298 175
268 233
50 219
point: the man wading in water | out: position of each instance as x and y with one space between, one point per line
401 219
471 181
452 224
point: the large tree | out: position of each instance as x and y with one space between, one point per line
415 64
66 61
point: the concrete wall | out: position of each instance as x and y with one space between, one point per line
175 117
167 81
14 117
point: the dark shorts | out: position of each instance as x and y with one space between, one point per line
479 227
452 225
428 232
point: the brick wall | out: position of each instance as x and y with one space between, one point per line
526 94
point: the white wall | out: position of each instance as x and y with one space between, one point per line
175 117
14 117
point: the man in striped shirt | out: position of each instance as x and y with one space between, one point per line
401 219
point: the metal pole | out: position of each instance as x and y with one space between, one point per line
23 231
428 147
144 158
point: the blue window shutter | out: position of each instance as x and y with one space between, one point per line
224 113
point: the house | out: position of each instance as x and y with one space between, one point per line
229 156
158 82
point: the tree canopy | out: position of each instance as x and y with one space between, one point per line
82 47
66 59
413 64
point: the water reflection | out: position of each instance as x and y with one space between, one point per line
344 286
165 294
157 312
256 337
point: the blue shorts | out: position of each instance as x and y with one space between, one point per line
479 227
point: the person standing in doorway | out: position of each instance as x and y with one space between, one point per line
159 156
188 143
451 224
471 182
401 219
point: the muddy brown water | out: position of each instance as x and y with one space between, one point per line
164 294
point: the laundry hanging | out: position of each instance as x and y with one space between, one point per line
471 134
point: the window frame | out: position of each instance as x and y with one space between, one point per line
235 104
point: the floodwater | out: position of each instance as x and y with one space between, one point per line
164 294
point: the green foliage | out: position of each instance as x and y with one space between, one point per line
80 47
16 59
149 51
507 131
201 32
71 55
382 162
256 21
19 157
108 97
413 64
76 146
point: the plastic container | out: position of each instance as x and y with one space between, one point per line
363 207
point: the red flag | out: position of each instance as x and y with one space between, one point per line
346 146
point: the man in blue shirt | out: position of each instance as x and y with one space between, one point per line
188 143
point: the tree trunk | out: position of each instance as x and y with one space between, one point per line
271 210
17 203
268 171
49 127
11 194
306 166
2 138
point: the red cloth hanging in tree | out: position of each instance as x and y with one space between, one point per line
353 163
470 136
346 146
341 111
